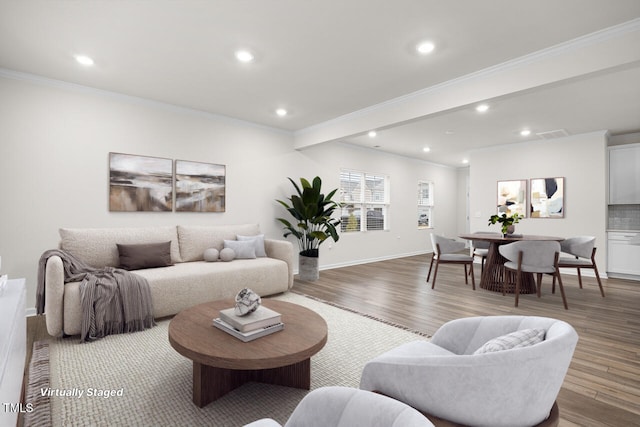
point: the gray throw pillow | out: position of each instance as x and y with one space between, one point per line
258 242
517 339
243 250
146 255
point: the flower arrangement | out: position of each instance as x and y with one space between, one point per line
506 221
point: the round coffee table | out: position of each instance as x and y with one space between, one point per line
222 362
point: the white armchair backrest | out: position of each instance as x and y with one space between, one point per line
580 246
466 335
534 253
350 407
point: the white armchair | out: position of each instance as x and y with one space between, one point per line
443 378
349 407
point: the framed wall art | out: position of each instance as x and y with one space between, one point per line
200 187
140 183
512 197
547 198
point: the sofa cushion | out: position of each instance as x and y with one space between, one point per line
517 339
243 250
146 255
97 246
195 239
258 242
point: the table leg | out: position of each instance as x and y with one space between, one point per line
211 383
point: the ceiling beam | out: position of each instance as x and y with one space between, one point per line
607 49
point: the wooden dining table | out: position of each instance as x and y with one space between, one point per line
493 274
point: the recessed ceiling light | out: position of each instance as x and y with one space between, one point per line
84 60
244 56
425 48
465 161
448 132
372 134
482 108
426 149
281 112
525 132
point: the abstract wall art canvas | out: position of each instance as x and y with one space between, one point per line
547 198
512 197
140 183
200 187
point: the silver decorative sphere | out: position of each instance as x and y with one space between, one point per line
247 302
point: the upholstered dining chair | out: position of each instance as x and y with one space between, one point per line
480 248
480 371
539 257
445 251
584 256
349 407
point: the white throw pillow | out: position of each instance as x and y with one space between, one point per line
243 250
517 339
258 242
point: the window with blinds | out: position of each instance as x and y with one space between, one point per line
365 201
425 204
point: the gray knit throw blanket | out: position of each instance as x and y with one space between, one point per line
113 300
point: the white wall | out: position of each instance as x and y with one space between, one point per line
55 141
580 159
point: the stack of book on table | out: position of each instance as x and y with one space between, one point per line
261 322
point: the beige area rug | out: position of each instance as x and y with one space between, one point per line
155 381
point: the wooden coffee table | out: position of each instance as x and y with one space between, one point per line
222 362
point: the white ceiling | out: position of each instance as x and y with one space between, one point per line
343 66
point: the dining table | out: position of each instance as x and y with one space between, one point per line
493 277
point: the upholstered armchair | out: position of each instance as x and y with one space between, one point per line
480 371
349 407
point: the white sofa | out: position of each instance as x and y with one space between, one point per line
189 281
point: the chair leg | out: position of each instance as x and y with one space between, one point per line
435 273
598 279
473 279
466 280
539 284
579 277
564 298
517 289
433 256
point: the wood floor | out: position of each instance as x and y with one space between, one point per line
602 387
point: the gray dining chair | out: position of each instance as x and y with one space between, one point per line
584 256
446 251
532 256
480 248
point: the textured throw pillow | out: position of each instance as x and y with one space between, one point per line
243 250
211 255
227 254
517 339
146 255
258 242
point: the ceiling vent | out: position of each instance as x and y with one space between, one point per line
552 134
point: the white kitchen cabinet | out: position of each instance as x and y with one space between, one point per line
624 174
13 347
624 253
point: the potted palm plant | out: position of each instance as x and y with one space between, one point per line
507 222
312 224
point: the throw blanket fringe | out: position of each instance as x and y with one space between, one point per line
113 300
